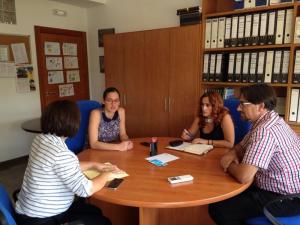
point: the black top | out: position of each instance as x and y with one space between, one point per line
115 116
215 134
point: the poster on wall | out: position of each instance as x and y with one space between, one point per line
71 62
4 53
73 76
54 63
69 49
55 77
66 90
7 69
52 48
25 81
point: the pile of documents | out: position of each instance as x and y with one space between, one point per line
198 149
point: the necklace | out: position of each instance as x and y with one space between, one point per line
208 120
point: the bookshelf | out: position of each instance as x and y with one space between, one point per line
219 8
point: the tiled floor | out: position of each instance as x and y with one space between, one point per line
11 174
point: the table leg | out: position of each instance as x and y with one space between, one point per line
149 216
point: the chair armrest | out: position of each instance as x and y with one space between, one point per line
3 220
269 215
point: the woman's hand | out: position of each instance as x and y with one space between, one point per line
186 135
200 141
106 167
227 159
125 145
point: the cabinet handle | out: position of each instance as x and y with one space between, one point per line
170 99
166 105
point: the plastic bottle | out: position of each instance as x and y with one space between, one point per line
153 146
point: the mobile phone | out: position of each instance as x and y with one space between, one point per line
147 144
114 184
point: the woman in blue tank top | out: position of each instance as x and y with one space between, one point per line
107 126
213 122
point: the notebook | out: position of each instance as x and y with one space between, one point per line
92 173
198 149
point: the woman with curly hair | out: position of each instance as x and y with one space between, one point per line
213 122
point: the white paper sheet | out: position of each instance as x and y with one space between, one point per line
19 53
55 77
69 49
73 76
7 69
70 62
4 53
52 48
66 90
54 63
164 157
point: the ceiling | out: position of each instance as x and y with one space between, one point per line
82 3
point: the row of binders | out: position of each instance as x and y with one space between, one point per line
253 67
242 4
294 115
272 27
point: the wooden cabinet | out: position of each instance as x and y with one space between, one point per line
212 9
157 73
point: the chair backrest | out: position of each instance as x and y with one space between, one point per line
6 208
76 144
241 127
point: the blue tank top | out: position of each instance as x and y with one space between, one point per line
215 134
109 129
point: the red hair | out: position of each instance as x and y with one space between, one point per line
218 109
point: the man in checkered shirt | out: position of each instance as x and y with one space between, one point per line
269 155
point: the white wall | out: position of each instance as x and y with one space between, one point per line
16 108
124 16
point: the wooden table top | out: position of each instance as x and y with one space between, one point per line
33 125
147 184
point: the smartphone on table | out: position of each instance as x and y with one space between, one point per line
114 184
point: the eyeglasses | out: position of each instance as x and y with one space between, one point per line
243 104
112 101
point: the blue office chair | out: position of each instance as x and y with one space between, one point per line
77 143
6 208
269 219
241 127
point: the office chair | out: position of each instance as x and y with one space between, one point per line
241 127
270 219
6 208
76 144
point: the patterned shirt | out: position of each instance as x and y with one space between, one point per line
51 179
273 147
109 129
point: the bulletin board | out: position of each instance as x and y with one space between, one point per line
7 39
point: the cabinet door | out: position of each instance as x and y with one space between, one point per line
134 82
114 63
184 77
157 69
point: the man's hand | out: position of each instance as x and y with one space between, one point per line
227 159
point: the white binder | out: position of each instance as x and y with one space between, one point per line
263 28
219 67
298 113
296 74
248 26
227 31
249 3
205 67
255 28
260 66
207 32
253 67
234 30
288 26
238 67
241 30
214 33
271 27
212 67
221 32
269 66
294 105
245 73
274 2
285 66
277 66
280 26
231 67
297 31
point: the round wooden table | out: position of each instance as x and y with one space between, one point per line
148 189
33 125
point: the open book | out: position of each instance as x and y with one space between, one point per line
92 173
197 149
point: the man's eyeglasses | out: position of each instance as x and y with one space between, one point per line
113 101
242 104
